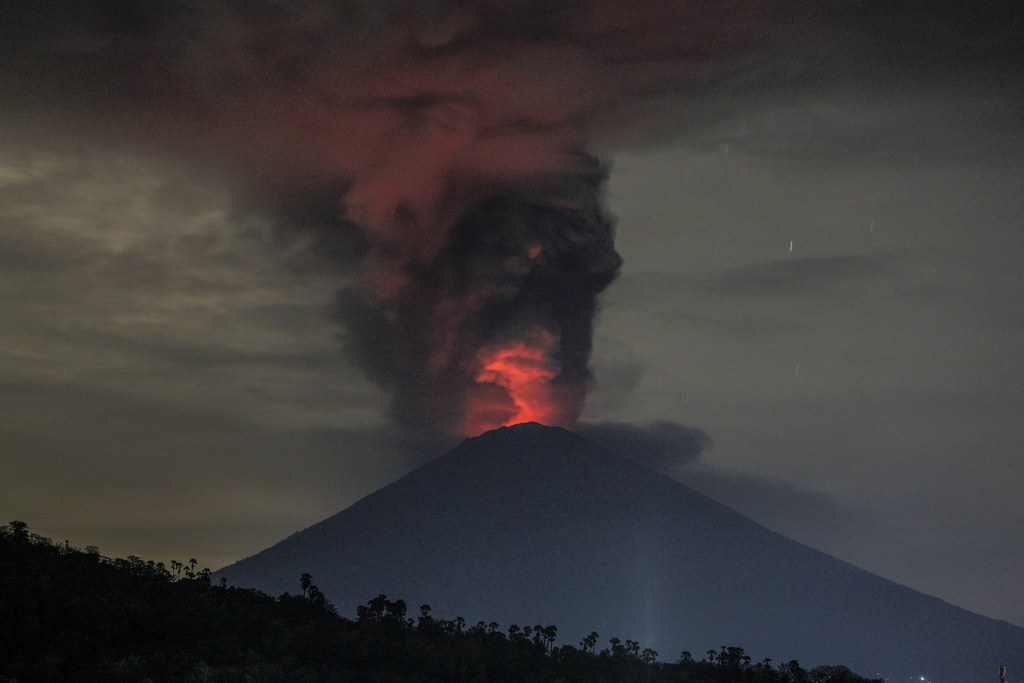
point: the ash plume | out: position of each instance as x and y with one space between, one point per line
456 136
523 262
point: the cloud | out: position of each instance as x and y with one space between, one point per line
802 513
455 139
94 463
407 140
659 445
810 276
134 278
675 450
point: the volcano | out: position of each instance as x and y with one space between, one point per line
536 525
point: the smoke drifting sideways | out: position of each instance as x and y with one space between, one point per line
456 134
662 446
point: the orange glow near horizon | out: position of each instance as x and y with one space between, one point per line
514 385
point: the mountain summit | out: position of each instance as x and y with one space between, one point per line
536 525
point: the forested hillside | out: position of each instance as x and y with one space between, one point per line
69 614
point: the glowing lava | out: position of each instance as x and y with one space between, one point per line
514 384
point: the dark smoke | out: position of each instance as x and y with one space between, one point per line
439 150
526 257
660 445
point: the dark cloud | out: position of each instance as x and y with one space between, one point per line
941 44
440 152
514 264
660 445
442 146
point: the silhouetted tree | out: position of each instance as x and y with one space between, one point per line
66 614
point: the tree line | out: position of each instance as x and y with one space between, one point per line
69 614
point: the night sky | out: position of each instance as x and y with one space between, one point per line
818 208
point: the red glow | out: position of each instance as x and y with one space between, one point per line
514 385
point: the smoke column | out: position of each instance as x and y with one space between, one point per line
496 327
454 136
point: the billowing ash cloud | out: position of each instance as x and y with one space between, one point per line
522 267
453 137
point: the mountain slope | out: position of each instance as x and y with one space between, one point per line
533 524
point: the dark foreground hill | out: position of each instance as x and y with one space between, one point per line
532 524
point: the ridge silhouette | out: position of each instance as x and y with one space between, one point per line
530 523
